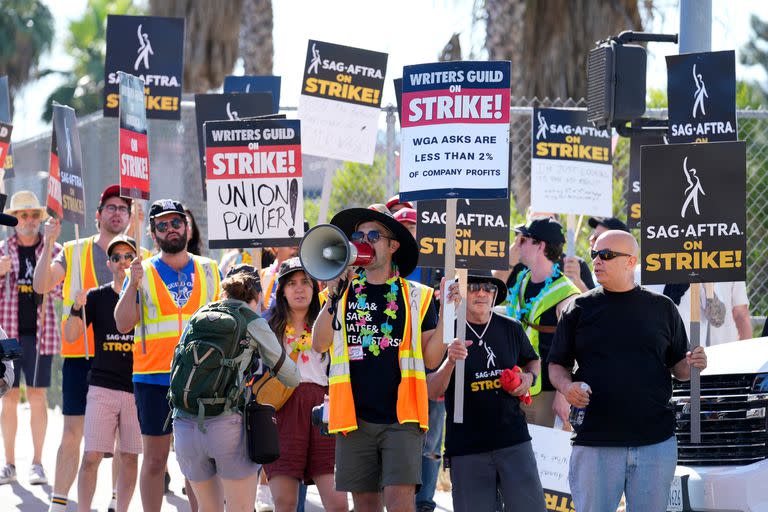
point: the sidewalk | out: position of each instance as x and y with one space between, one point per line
34 498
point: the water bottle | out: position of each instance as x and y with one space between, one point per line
576 417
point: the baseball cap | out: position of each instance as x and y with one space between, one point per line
289 266
165 207
406 215
608 222
395 200
112 191
121 239
545 229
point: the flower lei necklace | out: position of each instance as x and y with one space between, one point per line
299 344
525 309
364 314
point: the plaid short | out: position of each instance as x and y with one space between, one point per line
111 414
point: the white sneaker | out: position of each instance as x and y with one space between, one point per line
37 475
8 474
264 501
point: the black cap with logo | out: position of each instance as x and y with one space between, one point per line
165 207
608 222
545 229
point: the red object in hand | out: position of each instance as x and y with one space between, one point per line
510 381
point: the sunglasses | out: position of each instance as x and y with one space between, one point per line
162 226
607 254
29 215
373 236
486 287
524 239
115 258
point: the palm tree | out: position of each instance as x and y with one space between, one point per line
256 48
548 40
27 31
83 88
210 41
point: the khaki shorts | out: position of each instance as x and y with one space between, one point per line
376 456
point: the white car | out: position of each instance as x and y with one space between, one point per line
728 471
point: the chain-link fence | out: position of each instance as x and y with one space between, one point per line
175 172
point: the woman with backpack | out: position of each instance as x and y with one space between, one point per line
213 361
305 454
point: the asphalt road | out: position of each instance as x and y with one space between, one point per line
34 498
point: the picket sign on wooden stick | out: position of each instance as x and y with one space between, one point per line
46 257
461 313
78 258
137 237
695 377
570 237
325 196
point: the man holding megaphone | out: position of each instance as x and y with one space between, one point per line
383 331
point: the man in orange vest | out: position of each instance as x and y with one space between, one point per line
383 332
112 216
173 285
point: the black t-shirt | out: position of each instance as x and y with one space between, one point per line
375 378
112 365
584 272
492 417
625 344
547 318
27 296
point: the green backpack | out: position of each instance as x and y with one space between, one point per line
210 361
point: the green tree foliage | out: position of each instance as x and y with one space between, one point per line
27 32
86 42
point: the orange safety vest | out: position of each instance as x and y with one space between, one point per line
164 321
412 402
267 291
73 283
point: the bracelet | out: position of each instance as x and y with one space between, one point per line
76 312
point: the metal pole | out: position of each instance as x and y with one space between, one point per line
695 26
390 110
695 36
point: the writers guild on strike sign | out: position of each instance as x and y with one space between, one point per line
694 218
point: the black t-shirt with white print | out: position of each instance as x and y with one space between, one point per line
492 417
375 378
28 299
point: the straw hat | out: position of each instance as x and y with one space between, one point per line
25 200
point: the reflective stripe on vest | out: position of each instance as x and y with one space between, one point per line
73 283
561 289
412 402
161 314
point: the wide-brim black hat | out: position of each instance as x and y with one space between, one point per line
479 276
406 257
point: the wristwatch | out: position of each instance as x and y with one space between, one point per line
535 378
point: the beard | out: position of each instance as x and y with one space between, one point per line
174 246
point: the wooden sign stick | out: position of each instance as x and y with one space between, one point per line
78 257
695 377
137 237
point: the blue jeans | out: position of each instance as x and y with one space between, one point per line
430 459
598 476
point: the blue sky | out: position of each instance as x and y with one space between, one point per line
411 31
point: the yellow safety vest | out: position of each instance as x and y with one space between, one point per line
412 402
164 321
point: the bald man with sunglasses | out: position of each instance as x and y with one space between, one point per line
628 343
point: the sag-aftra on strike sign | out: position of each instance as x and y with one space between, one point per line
694 213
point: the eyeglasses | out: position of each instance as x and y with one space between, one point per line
162 226
486 287
373 236
112 208
607 254
30 215
115 258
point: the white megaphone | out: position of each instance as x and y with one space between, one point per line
326 252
